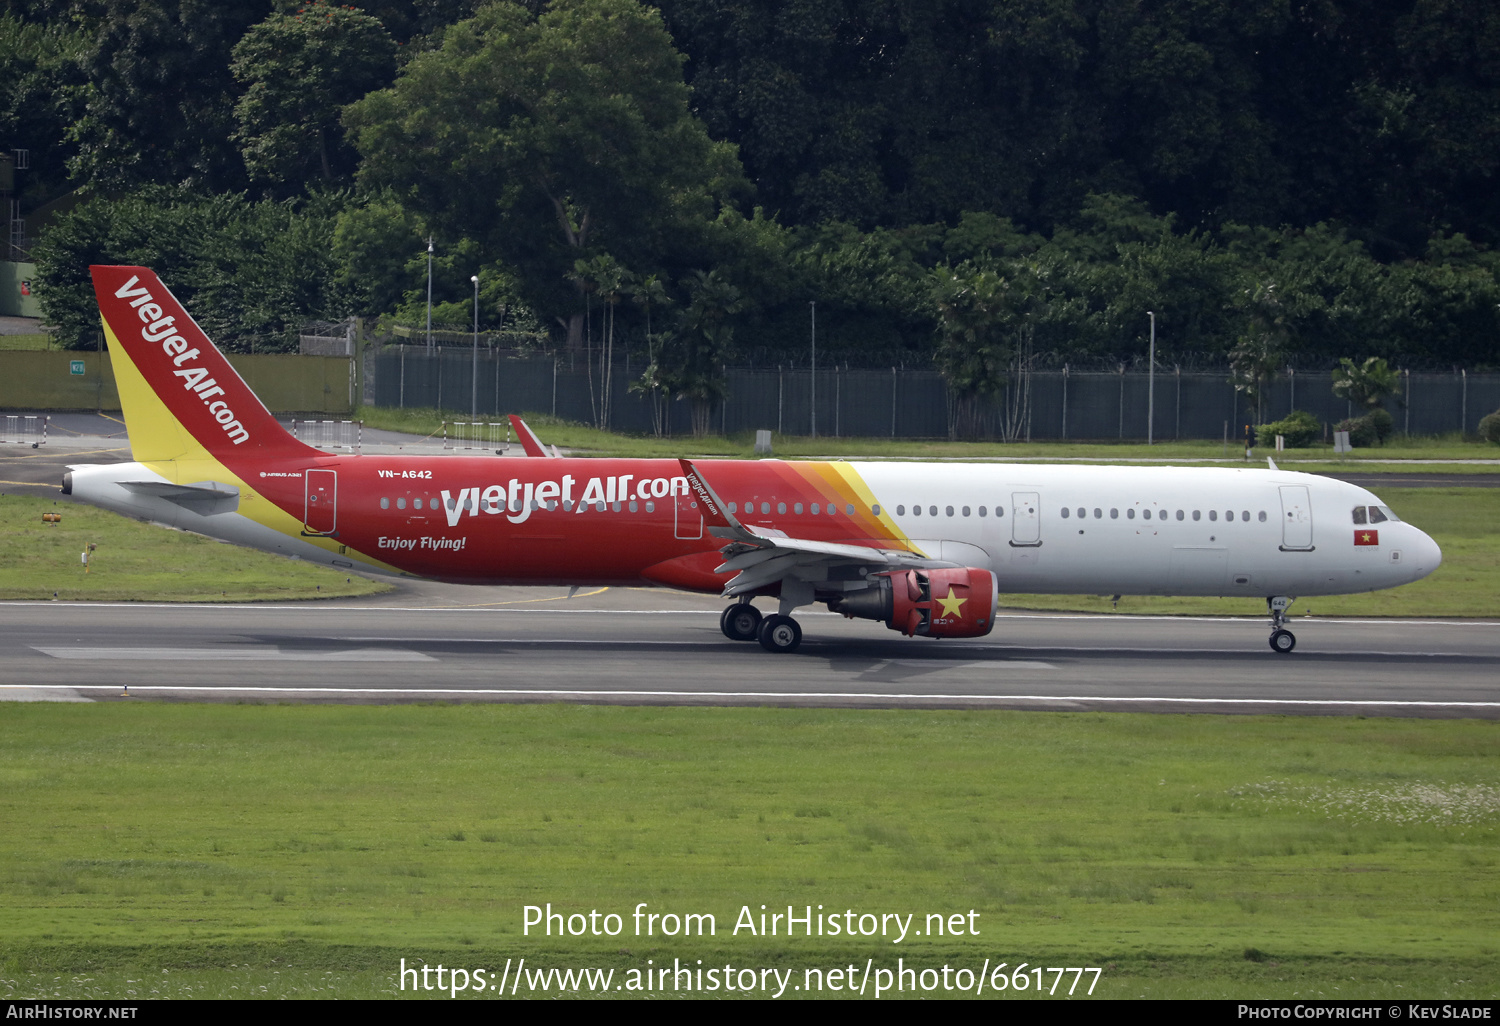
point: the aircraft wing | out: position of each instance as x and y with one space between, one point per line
766 555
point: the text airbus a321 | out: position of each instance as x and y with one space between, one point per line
923 548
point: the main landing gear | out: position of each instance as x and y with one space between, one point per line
740 622
1282 640
776 633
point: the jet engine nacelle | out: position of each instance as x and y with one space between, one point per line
956 603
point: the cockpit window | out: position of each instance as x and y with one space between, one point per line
1390 514
1376 516
1359 515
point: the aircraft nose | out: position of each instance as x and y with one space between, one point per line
1428 555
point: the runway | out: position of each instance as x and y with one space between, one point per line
650 647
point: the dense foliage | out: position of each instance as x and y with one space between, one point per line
986 185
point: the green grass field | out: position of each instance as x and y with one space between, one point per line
588 441
224 850
136 562
36 341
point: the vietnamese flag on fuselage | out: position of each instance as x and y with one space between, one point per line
1364 536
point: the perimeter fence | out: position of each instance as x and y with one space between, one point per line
908 403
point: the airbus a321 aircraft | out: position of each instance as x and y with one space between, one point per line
923 548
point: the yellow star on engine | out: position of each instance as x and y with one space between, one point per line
952 605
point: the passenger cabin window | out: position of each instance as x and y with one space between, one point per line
1066 513
982 513
931 510
849 509
385 503
1180 514
1213 514
1130 513
875 509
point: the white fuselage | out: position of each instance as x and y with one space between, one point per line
1148 530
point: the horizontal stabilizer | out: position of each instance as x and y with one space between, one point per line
206 498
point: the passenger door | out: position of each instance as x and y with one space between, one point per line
1296 519
1025 519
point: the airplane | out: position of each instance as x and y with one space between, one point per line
924 548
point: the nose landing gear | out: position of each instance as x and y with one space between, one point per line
1282 640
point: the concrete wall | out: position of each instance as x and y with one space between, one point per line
12 302
285 383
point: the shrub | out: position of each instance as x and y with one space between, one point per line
1371 429
1361 431
1299 429
1489 427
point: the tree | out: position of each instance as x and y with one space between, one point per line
646 292
1365 385
252 273
299 70
542 137
159 106
605 277
1261 351
695 353
39 73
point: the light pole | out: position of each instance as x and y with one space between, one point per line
474 376
429 295
1151 384
813 306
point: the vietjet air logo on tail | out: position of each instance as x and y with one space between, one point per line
187 372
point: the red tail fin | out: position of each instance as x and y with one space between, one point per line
186 373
